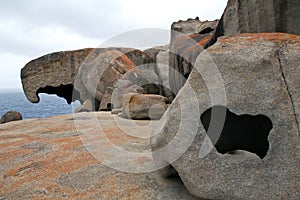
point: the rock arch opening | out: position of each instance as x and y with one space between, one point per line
65 91
230 132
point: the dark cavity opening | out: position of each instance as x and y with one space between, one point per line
109 106
206 30
230 132
65 91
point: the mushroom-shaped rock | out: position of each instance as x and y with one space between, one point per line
232 132
53 74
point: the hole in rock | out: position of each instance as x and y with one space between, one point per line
109 106
206 30
230 132
65 91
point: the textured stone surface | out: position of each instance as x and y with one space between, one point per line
98 73
163 67
262 16
187 40
85 107
56 70
259 75
143 106
11 116
142 79
81 74
248 16
46 159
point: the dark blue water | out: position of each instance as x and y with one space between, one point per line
49 105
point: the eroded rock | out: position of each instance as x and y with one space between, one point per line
53 74
11 116
252 75
143 106
86 106
188 39
265 16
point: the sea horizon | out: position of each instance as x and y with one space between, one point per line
14 99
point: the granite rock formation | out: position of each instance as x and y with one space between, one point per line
81 74
143 106
187 41
86 106
47 159
52 74
11 116
255 77
265 16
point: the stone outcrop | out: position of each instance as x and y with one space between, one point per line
47 159
81 74
86 106
143 106
11 116
53 74
255 80
259 17
187 41
142 79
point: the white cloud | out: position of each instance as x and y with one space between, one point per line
32 28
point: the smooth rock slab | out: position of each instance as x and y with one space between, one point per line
47 159
250 74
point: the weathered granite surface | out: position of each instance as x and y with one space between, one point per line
11 116
47 159
143 106
81 74
53 73
256 77
248 16
187 41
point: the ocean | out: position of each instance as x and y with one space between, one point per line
49 105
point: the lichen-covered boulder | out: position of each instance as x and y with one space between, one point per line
11 116
53 74
142 79
233 130
143 106
81 74
188 39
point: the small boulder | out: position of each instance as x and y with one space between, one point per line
143 106
85 107
11 116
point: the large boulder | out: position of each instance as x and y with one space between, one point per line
187 41
250 16
142 79
86 106
53 74
233 130
81 74
11 116
143 106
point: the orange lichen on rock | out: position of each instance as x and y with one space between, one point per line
254 37
50 159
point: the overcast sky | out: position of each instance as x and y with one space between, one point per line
32 28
